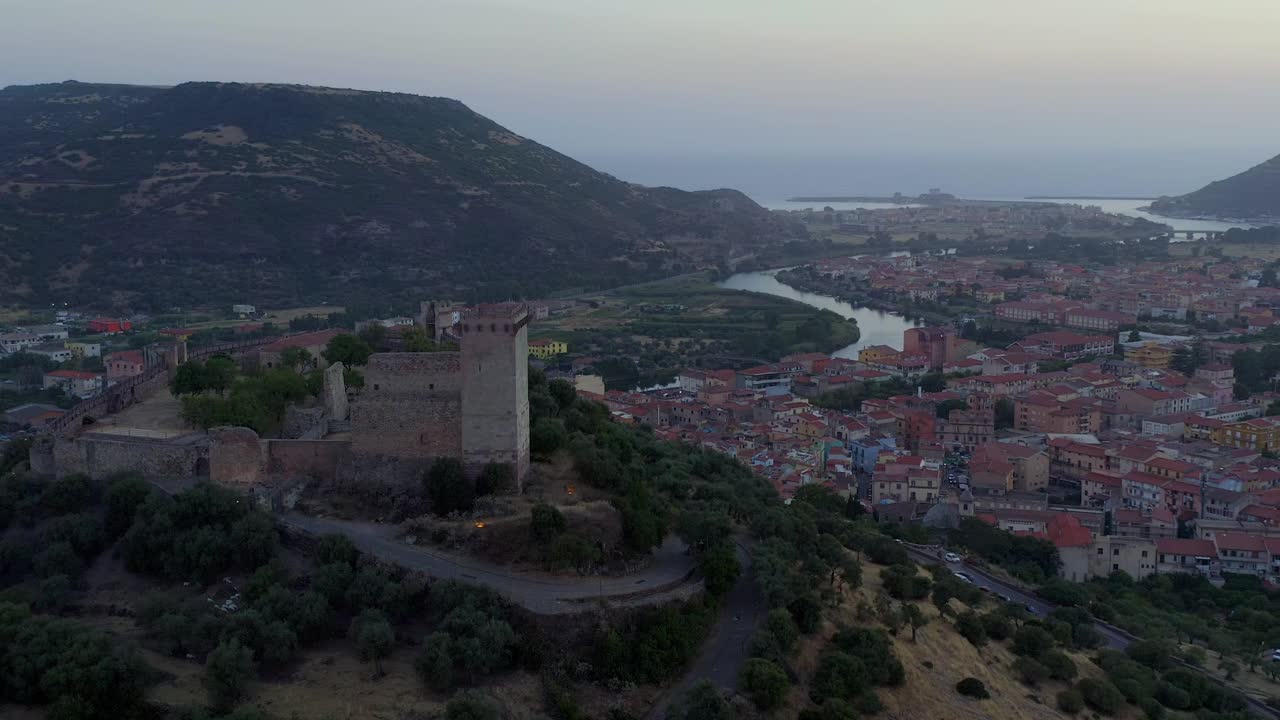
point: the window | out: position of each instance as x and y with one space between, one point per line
1115 552
1100 551
1115 566
1144 553
376 386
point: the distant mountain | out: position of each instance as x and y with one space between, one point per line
1254 193
216 192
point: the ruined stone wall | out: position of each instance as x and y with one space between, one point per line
238 457
335 392
296 459
410 407
235 456
304 423
99 456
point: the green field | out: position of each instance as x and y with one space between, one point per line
687 321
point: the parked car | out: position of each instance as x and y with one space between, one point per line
963 577
951 557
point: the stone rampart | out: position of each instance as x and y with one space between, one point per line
101 455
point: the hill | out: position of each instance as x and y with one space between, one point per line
1254 193
217 192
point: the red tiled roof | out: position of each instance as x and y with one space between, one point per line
1186 546
72 374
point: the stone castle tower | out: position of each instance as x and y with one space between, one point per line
471 404
495 386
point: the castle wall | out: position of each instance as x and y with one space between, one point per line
99 456
238 457
235 456
410 407
293 459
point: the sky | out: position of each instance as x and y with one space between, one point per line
776 96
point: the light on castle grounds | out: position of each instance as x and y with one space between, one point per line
479 525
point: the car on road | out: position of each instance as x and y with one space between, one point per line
963 577
951 557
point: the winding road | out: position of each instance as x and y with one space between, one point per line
669 576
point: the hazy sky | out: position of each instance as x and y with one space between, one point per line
629 84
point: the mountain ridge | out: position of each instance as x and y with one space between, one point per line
1252 194
141 196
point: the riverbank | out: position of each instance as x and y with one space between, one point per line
798 279
876 327
642 335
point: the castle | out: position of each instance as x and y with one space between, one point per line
471 404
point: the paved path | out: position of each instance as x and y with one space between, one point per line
725 650
668 576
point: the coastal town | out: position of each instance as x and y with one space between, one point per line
1129 450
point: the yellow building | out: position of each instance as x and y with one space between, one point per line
543 349
876 353
1258 434
1152 355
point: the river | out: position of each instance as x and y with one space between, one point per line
877 327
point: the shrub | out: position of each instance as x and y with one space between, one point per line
720 569
765 682
1060 666
702 702
997 626
124 496
572 551
972 687
70 494
971 628
883 551
434 663
546 436
496 479
374 636
1100 695
448 488
840 676
471 705
335 548
227 672
1030 670
545 522
58 559
904 583
1155 654
1062 592
782 628
1070 701
1152 709
1032 641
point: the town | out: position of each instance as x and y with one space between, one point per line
1119 460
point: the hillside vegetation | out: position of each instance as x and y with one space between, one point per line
1254 193
276 194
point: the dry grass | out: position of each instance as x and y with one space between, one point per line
929 691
